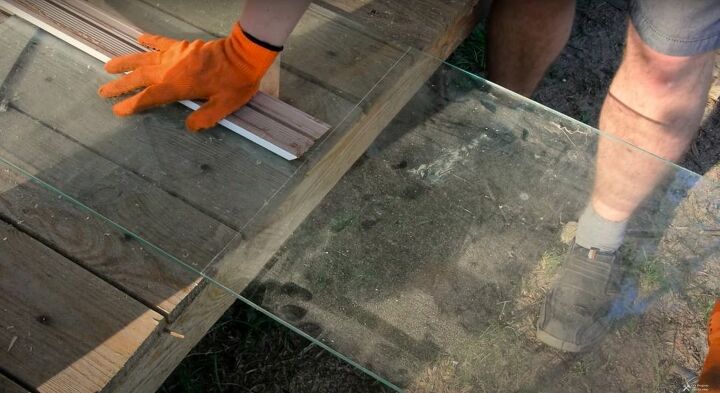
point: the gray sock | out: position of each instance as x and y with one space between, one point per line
594 231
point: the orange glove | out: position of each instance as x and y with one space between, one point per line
225 72
710 376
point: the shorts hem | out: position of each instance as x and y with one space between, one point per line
669 45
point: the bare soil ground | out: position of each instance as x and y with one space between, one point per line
383 215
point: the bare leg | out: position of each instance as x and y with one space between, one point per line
655 102
524 38
272 21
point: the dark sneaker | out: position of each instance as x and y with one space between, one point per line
576 311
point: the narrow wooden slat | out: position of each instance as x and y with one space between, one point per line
7 385
63 329
249 117
291 116
97 34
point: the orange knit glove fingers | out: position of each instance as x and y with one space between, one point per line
131 62
215 109
225 72
141 77
157 42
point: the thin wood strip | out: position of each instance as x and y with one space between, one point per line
117 22
293 117
279 128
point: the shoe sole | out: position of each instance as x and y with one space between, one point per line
550 340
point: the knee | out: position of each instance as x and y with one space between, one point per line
662 73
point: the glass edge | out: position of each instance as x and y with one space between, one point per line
164 254
599 132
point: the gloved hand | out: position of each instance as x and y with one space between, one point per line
225 72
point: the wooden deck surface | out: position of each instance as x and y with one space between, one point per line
88 306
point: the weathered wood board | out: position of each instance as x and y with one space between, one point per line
63 329
113 191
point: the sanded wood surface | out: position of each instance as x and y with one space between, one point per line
104 37
7 385
63 329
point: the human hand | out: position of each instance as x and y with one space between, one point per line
226 72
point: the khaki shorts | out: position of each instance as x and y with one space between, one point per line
678 27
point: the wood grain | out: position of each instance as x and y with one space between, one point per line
112 190
324 168
116 193
270 83
415 23
63 329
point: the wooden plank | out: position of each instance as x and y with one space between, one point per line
420 24
115 193
270 83
293 117
6 384
63 329
68 20
324 168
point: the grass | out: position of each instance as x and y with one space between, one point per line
342 221
248 352
579 368
551 260
652 275
470 55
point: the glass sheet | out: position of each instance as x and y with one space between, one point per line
430 260
189 194
427 264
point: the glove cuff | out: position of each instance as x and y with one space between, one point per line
260 42
254 53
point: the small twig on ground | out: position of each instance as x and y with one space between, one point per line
12 343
